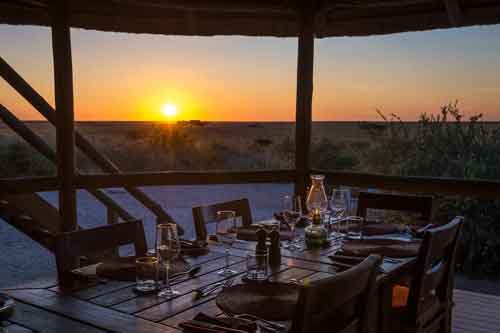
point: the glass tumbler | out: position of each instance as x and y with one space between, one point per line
146 273
354 226
257 264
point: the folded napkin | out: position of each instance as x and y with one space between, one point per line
203 323
375 229
123 268
193 248
387 248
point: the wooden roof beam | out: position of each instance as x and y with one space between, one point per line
214 5
65 126
455 14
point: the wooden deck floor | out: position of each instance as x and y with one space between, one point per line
475 312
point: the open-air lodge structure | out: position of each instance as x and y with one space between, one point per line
305 20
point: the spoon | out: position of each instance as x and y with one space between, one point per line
190 272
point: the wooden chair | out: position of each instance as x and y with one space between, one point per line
343 303
430 294
398 202
204 215
70 246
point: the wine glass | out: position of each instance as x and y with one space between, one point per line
292 207
339 205
167 248
226 234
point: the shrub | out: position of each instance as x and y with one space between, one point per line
443 145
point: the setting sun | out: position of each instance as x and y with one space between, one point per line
169 110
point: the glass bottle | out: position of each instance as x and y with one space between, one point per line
316 235
316 198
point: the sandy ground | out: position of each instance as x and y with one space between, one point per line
22 260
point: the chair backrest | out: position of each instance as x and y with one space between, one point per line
398 202
342 303
71 245
203 215
435 267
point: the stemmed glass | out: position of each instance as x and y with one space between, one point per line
292 206
226 234
168 248
339 206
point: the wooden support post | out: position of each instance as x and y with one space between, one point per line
303 115
454 11
65 131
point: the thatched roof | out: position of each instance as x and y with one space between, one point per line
259 17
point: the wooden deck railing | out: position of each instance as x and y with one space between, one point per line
450 186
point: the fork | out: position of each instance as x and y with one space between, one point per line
274 325
202 292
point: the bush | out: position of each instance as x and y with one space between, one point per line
443 145
19 160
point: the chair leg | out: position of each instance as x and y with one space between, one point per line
446 322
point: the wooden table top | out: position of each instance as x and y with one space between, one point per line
114 307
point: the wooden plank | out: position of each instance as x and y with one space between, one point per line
41 320
303 112
167 309
14 328
102 288
479 296
209 308
184 178
87 313
310 265
178 305
126 294
65 129
233 251
142 303
291 274
487 189
28 184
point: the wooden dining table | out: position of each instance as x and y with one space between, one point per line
113 306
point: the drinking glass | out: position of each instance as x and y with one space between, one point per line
167 248
339 205
226 234
354 227
257 266
292 207
146 273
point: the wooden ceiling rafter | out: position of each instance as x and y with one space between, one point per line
454 11
279 18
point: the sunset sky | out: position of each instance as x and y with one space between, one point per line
132 77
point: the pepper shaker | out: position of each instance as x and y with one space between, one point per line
275 248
